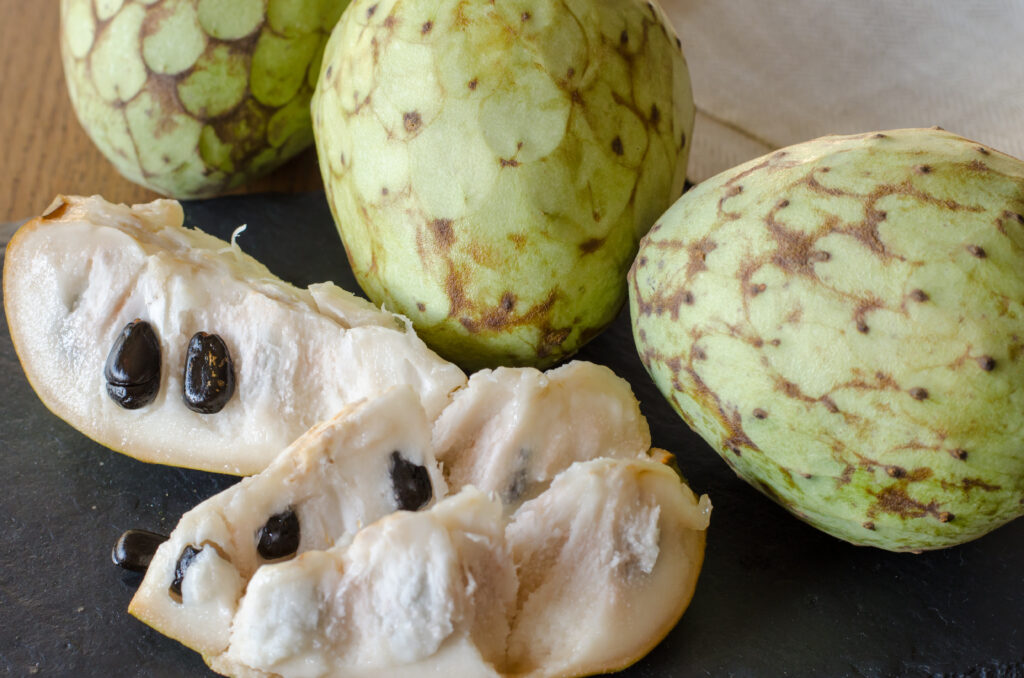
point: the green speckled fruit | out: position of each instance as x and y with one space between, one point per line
492 166
843 321
191 98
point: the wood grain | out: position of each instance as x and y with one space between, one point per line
44 150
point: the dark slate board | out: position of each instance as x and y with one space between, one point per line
776 597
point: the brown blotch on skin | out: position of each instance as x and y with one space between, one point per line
895 500
918 393
760 414
958 453
617 146
443 233
697 253
919 295
922 169
592 245
987 363
829 404
412 121
976 251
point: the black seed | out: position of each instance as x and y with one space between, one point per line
135 548
279 536
760 414
946 517
977 251
987 363
959 453
918 393
410 482
209 374
188 554
132 369
617 146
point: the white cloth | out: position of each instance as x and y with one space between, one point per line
770 73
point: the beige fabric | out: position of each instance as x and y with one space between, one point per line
769 73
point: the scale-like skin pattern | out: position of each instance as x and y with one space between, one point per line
492 166
192 98
843 321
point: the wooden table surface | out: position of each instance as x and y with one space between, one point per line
44 149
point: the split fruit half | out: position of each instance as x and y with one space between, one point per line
176 347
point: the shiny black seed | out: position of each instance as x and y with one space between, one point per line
279 536
132 369
135 548
188 554
411 483
209 374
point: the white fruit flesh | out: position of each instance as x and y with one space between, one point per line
510 431
608 559
465 590
76 276
335 478
402 594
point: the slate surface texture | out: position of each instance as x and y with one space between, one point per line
776 597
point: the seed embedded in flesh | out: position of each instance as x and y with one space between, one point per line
135 548
188 554
209 374
132 369
411 483
279 536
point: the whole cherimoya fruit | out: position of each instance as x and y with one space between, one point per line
191 98
843 321
492 166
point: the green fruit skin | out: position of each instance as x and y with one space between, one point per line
192 98
491 167
843 321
